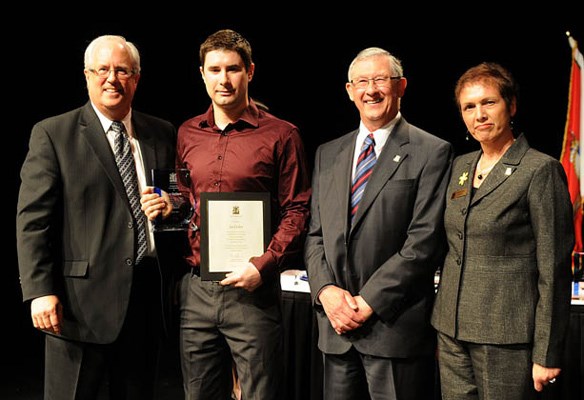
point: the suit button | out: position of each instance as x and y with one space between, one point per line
129 261
458 261
131 225
463 211
460 235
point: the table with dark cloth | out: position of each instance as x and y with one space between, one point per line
303 359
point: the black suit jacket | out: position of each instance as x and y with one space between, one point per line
390 254
75 232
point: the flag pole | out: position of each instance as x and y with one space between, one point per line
573 43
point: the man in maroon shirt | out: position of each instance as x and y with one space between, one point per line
237 147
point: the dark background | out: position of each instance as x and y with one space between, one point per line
301 62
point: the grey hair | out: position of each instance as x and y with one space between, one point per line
396 67
130 47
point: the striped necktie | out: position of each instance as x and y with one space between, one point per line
365 164
127 168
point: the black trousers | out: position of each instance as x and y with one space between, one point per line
126 368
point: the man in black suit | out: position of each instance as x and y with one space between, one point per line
371 252
93 287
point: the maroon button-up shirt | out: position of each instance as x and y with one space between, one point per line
258 153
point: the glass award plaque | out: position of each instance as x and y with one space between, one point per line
175 184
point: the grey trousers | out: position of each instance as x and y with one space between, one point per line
219 324
471 371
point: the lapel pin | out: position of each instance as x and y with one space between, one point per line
508 171
462 178
396 158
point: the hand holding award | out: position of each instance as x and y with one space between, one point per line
173 185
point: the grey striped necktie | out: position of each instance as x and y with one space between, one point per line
127 168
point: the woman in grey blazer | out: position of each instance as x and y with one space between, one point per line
502 306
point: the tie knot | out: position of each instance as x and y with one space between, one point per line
369 140
117 127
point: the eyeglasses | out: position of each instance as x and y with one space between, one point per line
379 81
120 72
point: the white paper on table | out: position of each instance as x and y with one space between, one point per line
294 280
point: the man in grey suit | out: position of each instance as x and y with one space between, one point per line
372 279
97 298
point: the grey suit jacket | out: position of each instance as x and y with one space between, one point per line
75 231
390 254
506 277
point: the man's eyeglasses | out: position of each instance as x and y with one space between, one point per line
379 81
120 73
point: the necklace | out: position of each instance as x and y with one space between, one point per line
482 173
497 153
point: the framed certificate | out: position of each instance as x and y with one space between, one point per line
235 226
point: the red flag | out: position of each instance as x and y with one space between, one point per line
571 157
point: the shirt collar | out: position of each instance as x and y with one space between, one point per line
381 135
106 123
250 117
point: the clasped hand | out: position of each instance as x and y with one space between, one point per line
344 311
